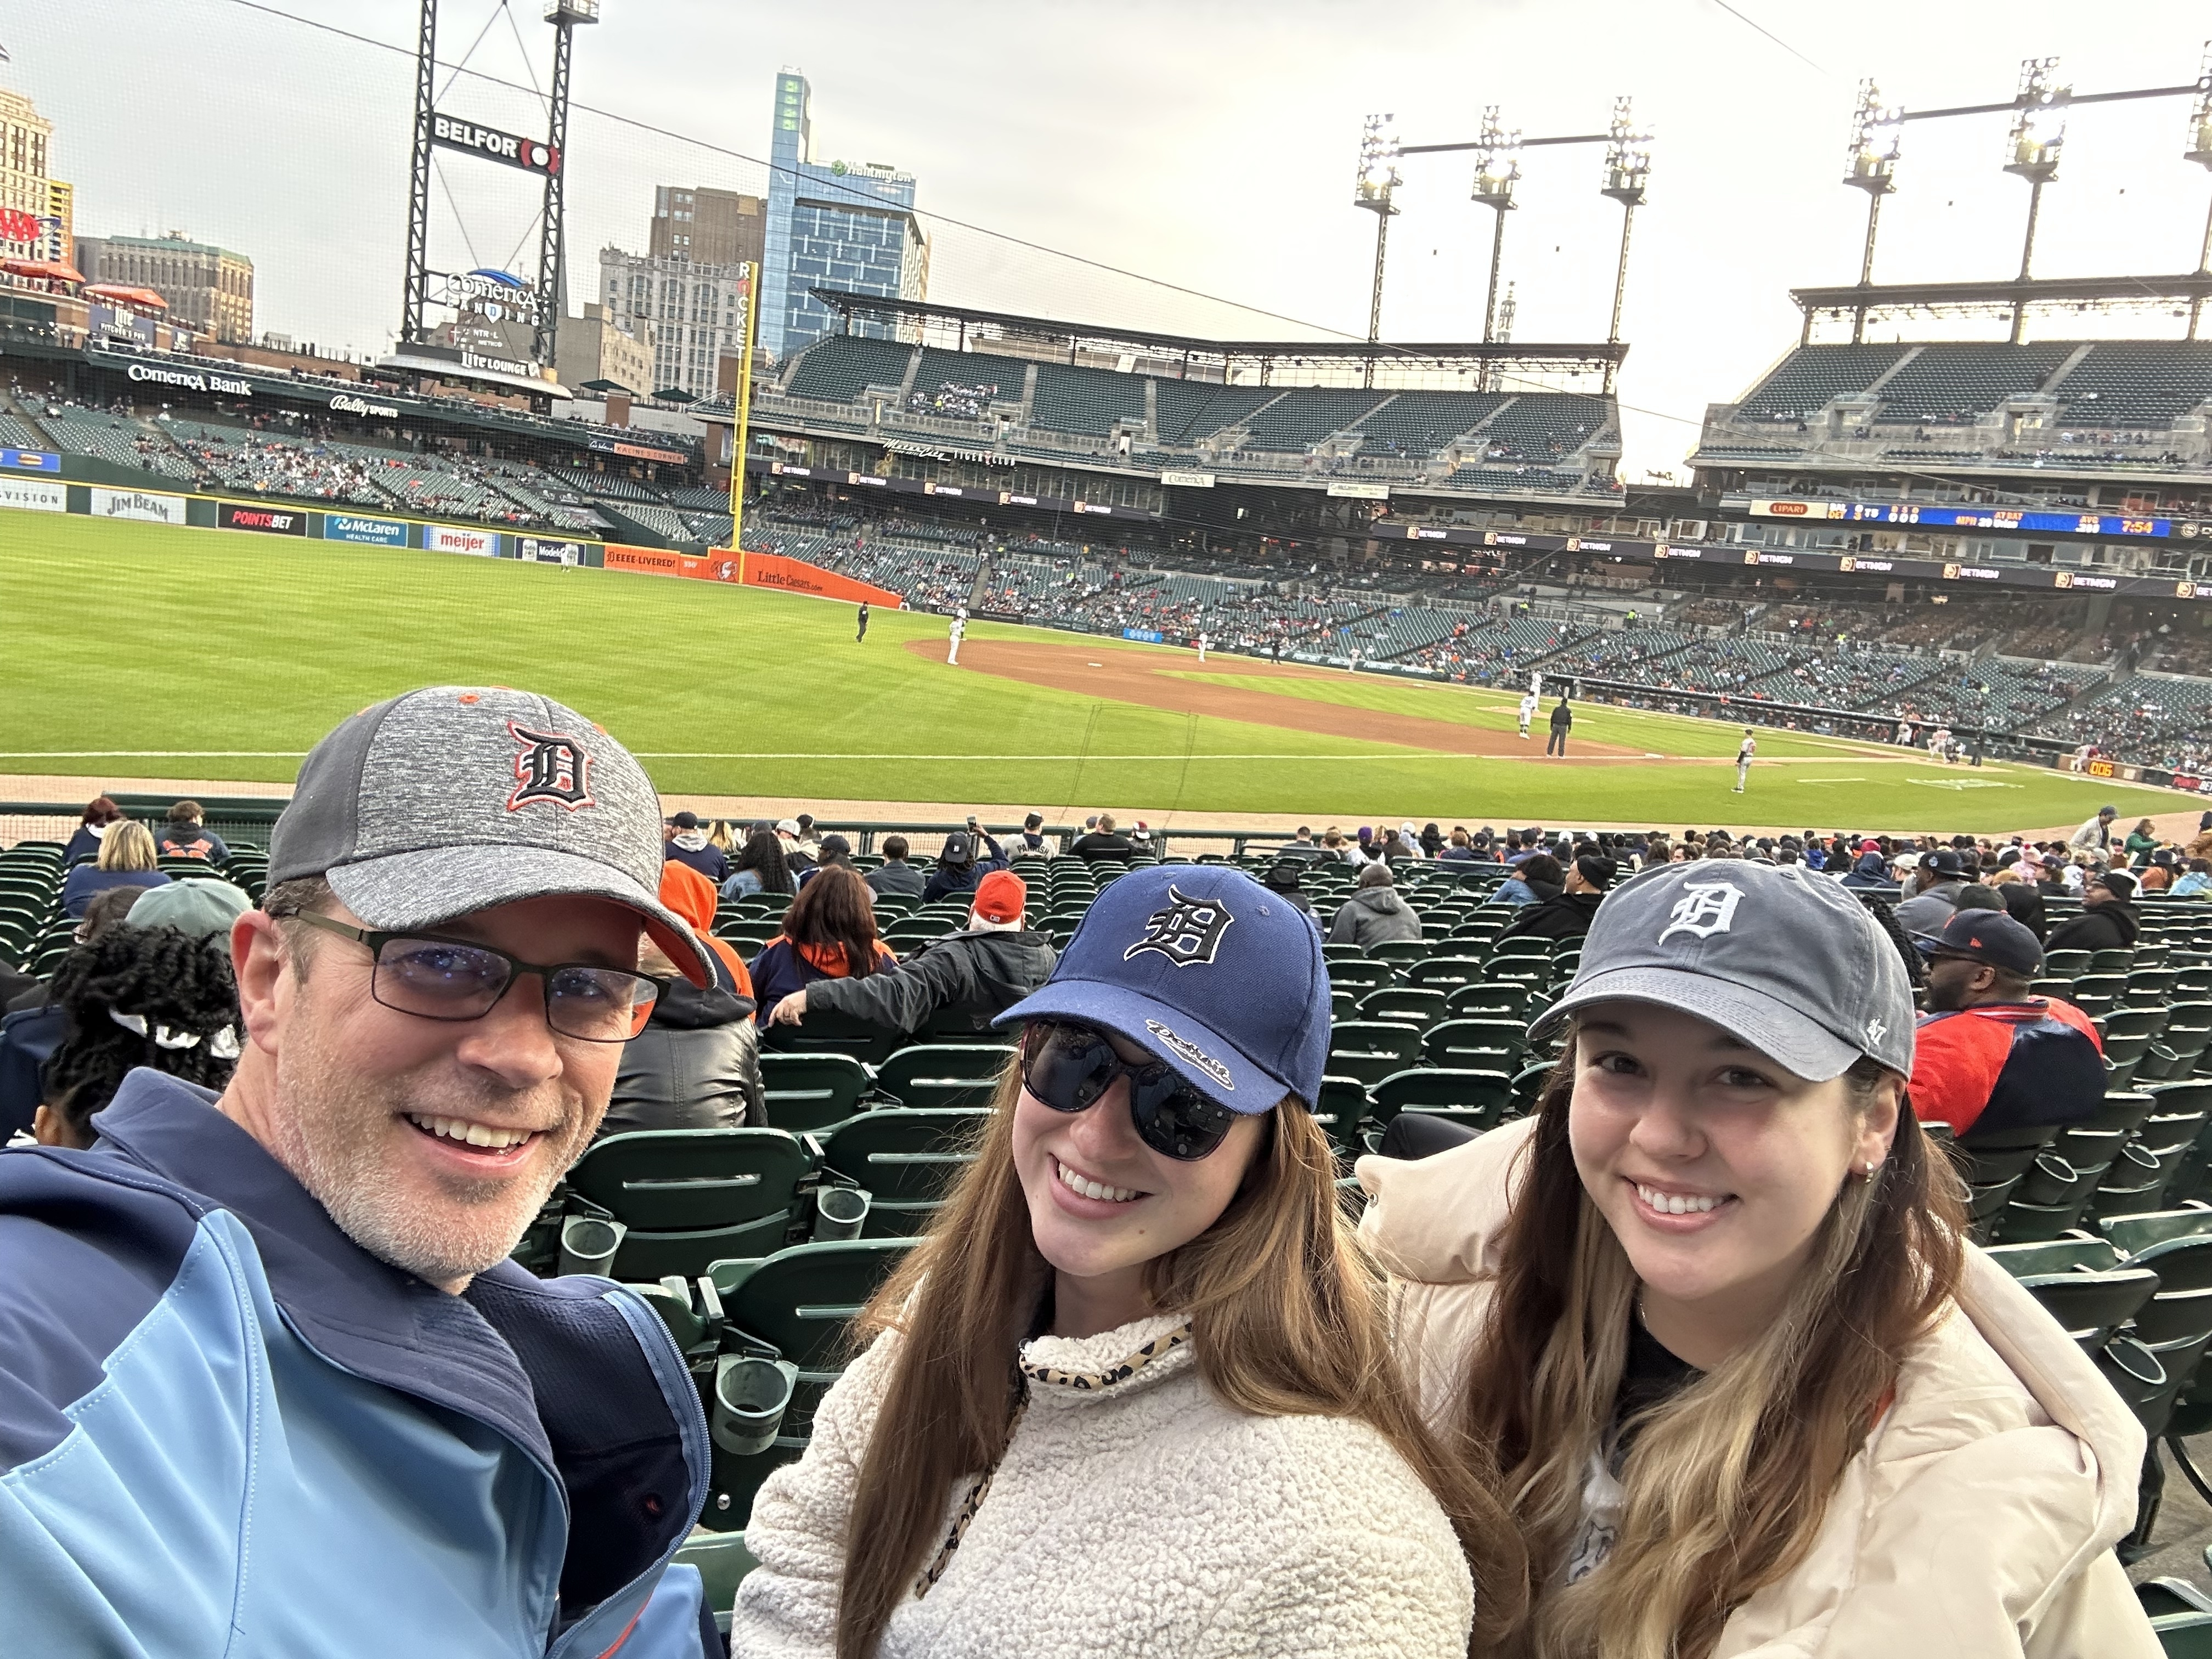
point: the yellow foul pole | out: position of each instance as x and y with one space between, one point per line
740 434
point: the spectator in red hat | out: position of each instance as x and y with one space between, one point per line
973 975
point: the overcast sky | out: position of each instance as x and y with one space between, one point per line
1205 143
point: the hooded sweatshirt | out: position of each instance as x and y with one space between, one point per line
1870 870
977 975
1979 1517
691 847
1134 1512
1372 916
2112 925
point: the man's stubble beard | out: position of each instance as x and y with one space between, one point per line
331 1129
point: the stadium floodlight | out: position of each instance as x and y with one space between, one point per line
1627 170
1496 170
1376 181
2200 151
1877 137
2038 126
2032 150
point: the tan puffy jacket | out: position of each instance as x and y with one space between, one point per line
1979 1521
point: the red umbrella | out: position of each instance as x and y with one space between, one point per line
51 270
141 299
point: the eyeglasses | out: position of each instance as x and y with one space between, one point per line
453 979
1069 1068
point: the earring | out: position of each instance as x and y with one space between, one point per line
1869 1169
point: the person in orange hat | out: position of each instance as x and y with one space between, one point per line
972 976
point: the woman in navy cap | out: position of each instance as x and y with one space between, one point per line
1133 1394
1712 1307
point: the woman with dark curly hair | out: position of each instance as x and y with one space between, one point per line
136 996
760 868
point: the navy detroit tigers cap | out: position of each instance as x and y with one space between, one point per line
1208 970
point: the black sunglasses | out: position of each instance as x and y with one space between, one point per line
1070 1067
453 979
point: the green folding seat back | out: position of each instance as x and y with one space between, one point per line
811 1091
690 1197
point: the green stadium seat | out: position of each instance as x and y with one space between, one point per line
944 1074
811 1091
905 1159
692 1196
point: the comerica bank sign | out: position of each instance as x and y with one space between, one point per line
192 379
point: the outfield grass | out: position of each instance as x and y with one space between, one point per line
146 650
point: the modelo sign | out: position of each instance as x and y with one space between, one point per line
375 533
269 521
528 153
446 538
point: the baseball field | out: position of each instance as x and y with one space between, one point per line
151 652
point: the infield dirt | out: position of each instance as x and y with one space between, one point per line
1132 676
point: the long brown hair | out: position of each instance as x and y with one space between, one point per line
836 908
1287 1319
1726 1483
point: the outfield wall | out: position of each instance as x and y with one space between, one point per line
32 484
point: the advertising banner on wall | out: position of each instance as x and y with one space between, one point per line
149 505
796 576
714 567
376 532
451 539
269 521
539 550
30 460
38 494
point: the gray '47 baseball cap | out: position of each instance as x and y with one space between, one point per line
456 798
1779 956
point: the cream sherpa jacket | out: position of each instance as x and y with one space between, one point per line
1977 1523
1133 1514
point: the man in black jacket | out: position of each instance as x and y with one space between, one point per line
978 972
2107 922
1567 914
1563 720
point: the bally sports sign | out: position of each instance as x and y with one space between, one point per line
516 151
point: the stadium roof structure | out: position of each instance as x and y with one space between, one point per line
2017 297
1448 365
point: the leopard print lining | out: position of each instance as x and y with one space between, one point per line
1085 1381
1052 1376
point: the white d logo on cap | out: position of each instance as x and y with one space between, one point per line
1706 908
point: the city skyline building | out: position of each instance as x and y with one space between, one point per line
209 289
830 225
690 313
706 225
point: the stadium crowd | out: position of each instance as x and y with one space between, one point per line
337 1062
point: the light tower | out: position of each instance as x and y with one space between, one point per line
1876 136
2200 151
1372 189
2032 150
1496 170
565 15
1627 170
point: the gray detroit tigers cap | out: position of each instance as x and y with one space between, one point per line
457 798
1781 958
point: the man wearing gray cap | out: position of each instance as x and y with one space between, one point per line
276 1347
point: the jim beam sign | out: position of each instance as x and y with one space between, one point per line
529 153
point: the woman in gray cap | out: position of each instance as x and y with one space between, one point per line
1712 1307
1134 1393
